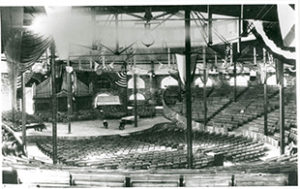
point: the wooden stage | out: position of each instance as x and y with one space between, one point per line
94 128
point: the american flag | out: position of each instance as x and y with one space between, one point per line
122 81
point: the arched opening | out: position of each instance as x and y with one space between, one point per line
198 82
168 81
139 96
241 81
140 83
272 81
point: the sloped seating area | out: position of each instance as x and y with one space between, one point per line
248 107
217 99
257 125
162 147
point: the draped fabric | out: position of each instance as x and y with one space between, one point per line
270 44
32 48
44 89
78 87
181 65
13 49
287 19
122 79
24 48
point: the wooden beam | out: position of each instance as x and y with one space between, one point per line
265 109
69 98
265 94
234 71
240 31
117 32
14 91
134 94
254 55
280 68
54 105
204 85
209 12
23 111
188 96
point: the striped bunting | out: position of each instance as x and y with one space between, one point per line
122 81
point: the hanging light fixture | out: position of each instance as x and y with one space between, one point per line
148 39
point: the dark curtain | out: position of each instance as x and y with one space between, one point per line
33 47
24 48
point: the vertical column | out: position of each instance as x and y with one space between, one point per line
188 89
54 105
234 71
254 55
216 59
91 62
23 110
265 93
126 90
209 12
69 82
117 31
14 92
204 85
240 30
93 18
281 104
135 97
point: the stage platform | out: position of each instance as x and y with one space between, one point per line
94 128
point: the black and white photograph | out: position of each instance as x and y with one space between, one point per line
149 94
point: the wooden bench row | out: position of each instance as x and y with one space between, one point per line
72 179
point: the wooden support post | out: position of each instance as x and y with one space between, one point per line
91 62
93 17
265 94
14 92
152 86
204 85
281 105
117 32
126 90
216 59
54 105
209 12
69 98
134 94
265 109
240 31
188 95
234 71
169 58
23 111
254 55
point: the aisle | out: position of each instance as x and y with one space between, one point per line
35 153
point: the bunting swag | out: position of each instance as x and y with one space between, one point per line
33 46
25 48
122 79
260 33
180 60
